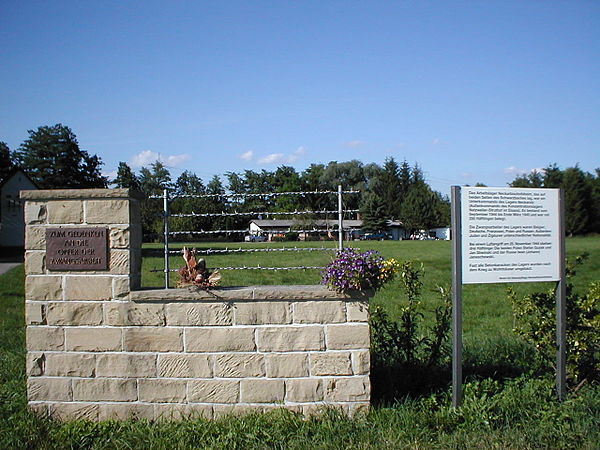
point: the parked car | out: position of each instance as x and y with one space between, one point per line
254 238
376 236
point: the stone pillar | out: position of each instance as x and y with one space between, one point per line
57 301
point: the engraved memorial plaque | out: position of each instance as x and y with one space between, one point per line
77 248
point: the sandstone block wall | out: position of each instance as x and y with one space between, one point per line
100 348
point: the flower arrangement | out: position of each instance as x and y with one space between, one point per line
194 273
353 270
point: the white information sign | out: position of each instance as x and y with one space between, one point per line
510 235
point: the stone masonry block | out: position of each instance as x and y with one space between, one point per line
308 390
162 391
286 365
125 411
361 362
289 339
107 211
125 365
42 388
262 391
45 338
348 337
330 363
70 364
119 237
35 364
260 313
35 237
213 391
88 287
188 314
153 340
119 262
219 339
104 389
74 411
134 314
122 286
74 313
40 287
239 365
350 389
35 212
93 339
35 262
319 312
357 311
184 366
65 211
35 313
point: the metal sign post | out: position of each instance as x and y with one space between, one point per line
456 299
507 235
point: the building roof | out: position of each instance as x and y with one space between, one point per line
283 223
14 172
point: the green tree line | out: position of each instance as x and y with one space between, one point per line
394 191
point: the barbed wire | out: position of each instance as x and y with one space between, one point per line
255 250
315 230
267 195
256 213
250 268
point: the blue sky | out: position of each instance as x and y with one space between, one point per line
473 91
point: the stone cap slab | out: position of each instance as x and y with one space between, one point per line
80 194
290 292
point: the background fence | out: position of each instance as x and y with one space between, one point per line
315 226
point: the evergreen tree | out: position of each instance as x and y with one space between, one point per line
391 187
374 213
153 181
53 159
419 209
578 201
126 178
6 163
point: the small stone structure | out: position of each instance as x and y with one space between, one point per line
101 348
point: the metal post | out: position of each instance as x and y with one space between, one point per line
561 310
456 298
166 235
340 220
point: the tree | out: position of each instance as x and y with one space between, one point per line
153 181
578 201
52 158
419 209
6 163
126 178
374 213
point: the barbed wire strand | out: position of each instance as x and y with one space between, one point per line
256 250
250 268
256 213
268 195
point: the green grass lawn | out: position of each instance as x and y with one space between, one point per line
497 412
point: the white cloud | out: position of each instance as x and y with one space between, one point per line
512 170
280 158
147 157
110 175
247 156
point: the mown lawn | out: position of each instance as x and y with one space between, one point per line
502 408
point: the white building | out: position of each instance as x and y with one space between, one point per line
12 222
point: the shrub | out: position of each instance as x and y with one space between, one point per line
404 350
535 316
